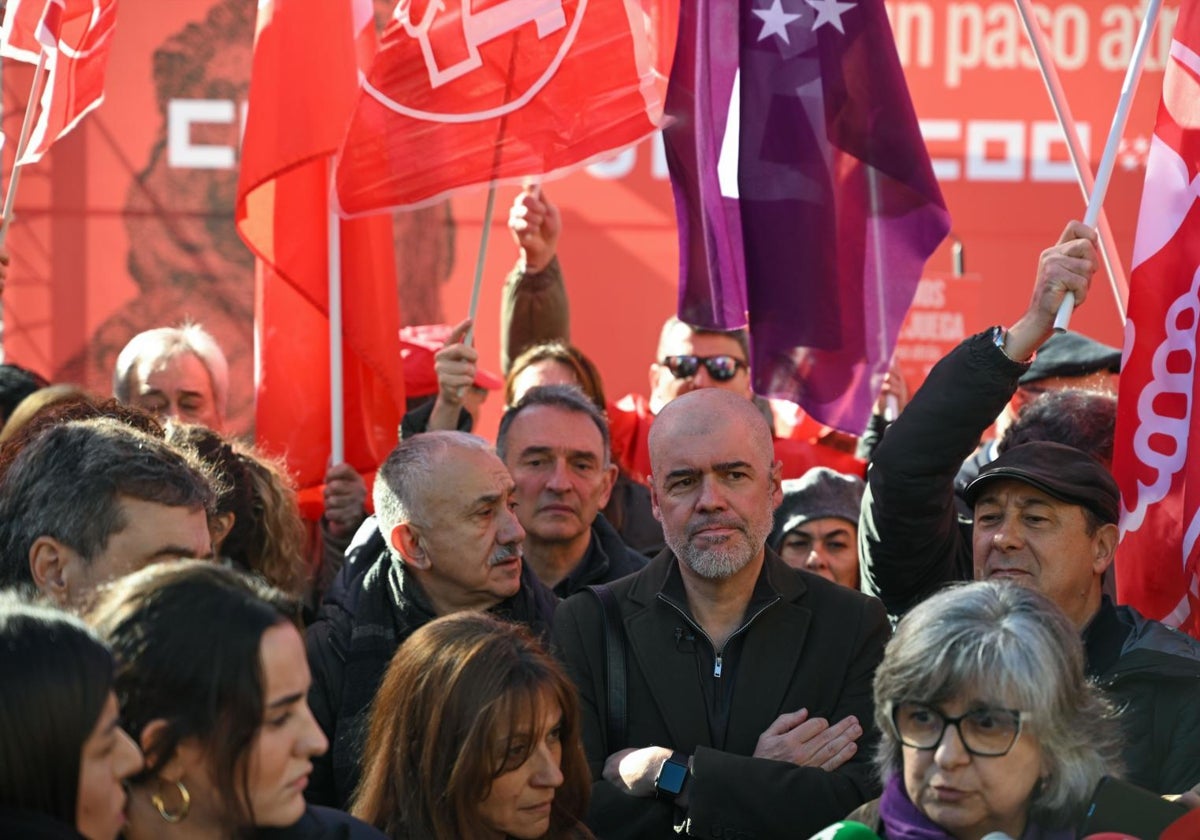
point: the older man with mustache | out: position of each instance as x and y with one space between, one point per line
446 540
747 682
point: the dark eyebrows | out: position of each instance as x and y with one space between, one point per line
550 451
169 551
286 701
730 466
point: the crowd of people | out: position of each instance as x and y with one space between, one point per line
694 611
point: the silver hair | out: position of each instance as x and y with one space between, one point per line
164 343
405 477
1014 644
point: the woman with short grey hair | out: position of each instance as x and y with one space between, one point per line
988 722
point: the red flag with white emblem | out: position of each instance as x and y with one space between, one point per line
466 92
1157 453
76 36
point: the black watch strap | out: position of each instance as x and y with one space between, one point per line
672 776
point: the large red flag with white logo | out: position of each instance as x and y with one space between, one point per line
465 92
76 36
1157 454
298 110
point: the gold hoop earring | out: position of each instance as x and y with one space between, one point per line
185 803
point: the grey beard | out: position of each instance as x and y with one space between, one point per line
723 562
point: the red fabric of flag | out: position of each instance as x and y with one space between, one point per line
296 117
76 36
1157 451
465 92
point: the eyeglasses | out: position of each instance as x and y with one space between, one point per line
720 368
984 732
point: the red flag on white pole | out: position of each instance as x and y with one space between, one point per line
297 115
76 36
1157 453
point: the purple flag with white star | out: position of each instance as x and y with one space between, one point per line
803 191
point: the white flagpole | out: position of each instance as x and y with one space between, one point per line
35 95
10 196
1079 159
337 418
480 260
1109 159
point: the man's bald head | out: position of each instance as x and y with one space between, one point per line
709 411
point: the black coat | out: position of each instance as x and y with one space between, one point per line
816 646
912 542
370 610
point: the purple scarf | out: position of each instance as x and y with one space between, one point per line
902 820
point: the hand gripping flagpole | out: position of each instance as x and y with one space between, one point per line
1109 159
1079 159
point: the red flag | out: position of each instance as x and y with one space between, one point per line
1157 453
76 36
297 113
465 92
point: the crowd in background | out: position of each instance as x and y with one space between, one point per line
691 611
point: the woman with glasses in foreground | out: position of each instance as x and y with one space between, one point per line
988 723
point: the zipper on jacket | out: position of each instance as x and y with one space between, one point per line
718 655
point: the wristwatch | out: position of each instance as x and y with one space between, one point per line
1000 339
671 776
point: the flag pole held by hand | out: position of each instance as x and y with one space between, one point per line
1063 319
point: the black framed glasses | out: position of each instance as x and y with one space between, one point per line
720 368
983 732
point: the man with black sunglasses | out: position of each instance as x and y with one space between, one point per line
688 357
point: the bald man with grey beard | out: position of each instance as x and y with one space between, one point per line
748 683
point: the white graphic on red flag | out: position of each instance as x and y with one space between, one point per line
76 36
475 27
1155 463
465 92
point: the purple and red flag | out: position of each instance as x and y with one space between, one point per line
806 202
1156 456
467 92
76 36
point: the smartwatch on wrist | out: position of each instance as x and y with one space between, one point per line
671 776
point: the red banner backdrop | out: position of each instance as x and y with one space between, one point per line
128 222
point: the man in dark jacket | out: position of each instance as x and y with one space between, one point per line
447 541
554 441
1045 516
747 684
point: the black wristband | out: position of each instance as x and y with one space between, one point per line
671 776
